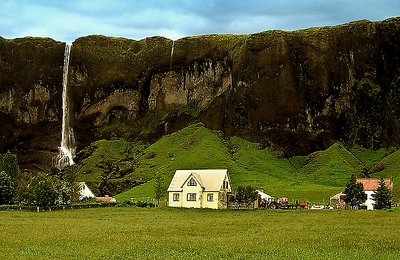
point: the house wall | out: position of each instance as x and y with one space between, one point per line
228 181
171 202
210 204
192 189
219 197
370 201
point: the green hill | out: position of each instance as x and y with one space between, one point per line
312 178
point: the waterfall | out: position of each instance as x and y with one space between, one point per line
172 54
67 148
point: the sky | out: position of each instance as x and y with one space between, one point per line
66 20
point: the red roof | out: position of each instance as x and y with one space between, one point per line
373 184
103 199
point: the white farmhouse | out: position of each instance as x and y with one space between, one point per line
370 186
199 189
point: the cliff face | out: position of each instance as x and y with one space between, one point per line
297 90
30 98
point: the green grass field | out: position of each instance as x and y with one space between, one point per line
164 233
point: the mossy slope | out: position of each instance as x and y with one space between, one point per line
308 178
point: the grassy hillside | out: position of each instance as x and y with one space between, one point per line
391 168
312 178
198 147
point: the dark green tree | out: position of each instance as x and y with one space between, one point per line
71 186
22 188
158 187
382 196
245 194
6 188
43 193
250 195
239 196
355 194
9 164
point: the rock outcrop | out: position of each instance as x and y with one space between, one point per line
30 99
299 91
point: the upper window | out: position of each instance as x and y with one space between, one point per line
192 182
175 197
210 197
191 197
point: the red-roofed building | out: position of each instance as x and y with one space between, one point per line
370 186
105 199
373 184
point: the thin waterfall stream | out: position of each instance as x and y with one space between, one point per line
67 148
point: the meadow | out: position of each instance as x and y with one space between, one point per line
165 233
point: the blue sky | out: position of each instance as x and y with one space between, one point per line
66 20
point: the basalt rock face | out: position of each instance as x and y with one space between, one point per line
30 98
299 91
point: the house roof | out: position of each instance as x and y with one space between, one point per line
263 195
105 199
210 180
373 184
337 196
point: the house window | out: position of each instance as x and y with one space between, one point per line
210 197
192 182
175 197
191 197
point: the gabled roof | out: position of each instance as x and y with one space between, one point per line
210 180
263 195
337 196
373 184
196 177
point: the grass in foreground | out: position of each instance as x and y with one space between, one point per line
137 233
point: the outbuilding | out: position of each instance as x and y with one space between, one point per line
370 186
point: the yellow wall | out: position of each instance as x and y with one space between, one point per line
173 203
219 197
210 204
192 189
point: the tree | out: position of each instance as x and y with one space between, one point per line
72 187
382 196
6 188
250 195
9 164
355 194
245 194
43 193
158 187
22 188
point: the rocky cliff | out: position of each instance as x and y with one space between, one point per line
299 91
30 99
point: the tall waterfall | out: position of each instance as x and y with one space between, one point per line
67 148
172 54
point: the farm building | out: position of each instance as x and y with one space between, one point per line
85 192
106 199
370 186
338 200
199 189
264 196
